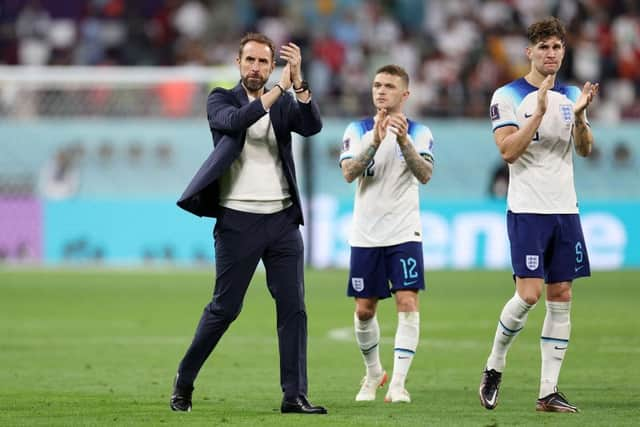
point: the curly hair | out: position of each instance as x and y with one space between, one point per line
548 27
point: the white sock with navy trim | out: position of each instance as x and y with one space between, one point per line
554 341
406 342
512 320
368 339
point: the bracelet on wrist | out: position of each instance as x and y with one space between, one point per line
304 86
282 91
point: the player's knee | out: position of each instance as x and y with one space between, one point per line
530 297
559 294
407 306
407 301
365 313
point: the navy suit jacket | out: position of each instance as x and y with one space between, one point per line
230 114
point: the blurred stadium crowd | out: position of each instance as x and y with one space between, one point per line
457 51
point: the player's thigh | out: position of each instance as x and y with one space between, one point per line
367 274
570 259
529 236
405 266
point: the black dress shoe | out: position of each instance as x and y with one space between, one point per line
181 398
300 405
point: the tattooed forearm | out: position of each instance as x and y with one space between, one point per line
420 167
353 168
582 137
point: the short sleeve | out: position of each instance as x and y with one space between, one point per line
422 139
350 142
502 110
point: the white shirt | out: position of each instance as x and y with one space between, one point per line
255 181
541 179
386 208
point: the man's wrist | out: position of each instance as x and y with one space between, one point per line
300 86
279 86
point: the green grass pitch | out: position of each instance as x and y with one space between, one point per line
101 348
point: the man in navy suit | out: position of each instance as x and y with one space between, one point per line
248 184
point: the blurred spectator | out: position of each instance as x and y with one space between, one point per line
622 155
499 181
59 179
164 153
105 153
134 153
454 50
595 158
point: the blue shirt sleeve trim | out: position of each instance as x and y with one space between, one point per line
501 125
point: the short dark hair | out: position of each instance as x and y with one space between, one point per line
548 27
395 70
258 38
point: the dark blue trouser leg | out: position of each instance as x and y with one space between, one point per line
284 263
241 240
238 251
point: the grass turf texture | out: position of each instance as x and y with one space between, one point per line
101 348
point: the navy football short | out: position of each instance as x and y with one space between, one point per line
378 272
549 246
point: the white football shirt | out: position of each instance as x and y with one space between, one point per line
386 208
541 179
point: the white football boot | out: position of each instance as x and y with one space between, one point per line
397 394
369 386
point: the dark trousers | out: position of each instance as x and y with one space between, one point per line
241 240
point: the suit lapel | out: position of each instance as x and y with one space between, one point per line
240 94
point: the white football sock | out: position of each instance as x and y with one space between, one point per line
406 342
554 341
368 339
512 320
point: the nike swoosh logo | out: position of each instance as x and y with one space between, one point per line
505 334
409 283
403 357
578 268
493 398
526 116
559 348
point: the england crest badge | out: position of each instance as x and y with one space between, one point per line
357 283
567 112
532 262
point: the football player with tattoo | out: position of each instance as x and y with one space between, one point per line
390 156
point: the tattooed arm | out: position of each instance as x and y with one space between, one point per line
353 168
420 167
